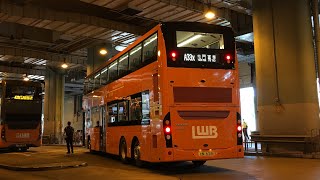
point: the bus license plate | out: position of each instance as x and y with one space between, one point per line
21 145
206 153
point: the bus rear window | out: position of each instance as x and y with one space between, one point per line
199 40
23 93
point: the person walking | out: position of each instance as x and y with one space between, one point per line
245 131
68 132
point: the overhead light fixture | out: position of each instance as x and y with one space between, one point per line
103 51
209 14
25 78
64 65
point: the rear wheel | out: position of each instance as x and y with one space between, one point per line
123 151
198 163
137 154
24 149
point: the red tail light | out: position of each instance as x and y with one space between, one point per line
228 58
173 55
168 130
239 128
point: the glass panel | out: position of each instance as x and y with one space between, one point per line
86 86
97 80
95 116
104 76
88 122
145 106
90 84
113 71
123 64
200 40
135 109
123 111
135 58
113 112
150 48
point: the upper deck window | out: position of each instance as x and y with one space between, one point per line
150 48
200 40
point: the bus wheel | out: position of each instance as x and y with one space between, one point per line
198 163
137 154
24 149
123 151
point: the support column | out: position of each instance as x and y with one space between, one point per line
53 106
285 68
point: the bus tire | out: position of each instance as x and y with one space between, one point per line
24 149
137 153
123 151
198 163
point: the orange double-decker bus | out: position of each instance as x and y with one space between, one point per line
21 112
172 95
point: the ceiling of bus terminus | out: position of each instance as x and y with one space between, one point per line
38 34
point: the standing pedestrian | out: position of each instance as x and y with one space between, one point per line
68 132
245 131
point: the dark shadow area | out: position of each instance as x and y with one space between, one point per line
181 170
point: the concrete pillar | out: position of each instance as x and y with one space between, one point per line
285 67
95 59
53 106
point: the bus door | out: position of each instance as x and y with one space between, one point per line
202 128
103 137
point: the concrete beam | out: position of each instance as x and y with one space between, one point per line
33 12
41 54
19 31
19 70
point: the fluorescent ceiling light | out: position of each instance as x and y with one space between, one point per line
189 40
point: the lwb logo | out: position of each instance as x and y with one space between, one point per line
204 132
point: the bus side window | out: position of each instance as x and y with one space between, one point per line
150 49
86 86
95 116
113 71
145 106
113 113
123 65
123 111
104 76
97 81
135 58
135 109
90 84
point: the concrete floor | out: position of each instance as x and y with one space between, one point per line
108 167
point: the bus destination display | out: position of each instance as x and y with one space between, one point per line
193 57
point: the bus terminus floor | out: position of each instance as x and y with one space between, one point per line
172 95
21 110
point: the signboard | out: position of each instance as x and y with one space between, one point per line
194 57
23 97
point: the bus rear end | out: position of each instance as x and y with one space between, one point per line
201 97
21 112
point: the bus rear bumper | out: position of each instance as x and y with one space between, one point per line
204 154
10 145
